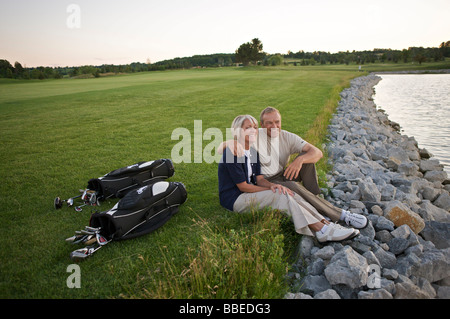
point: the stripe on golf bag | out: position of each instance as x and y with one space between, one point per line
123 180
141 211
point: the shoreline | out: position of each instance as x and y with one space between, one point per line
404 252
440 71
405 124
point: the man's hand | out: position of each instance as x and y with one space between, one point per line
293 169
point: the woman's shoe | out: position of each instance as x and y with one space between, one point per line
335 232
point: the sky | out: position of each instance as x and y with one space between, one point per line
95 32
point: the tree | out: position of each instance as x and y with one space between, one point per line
257 50
5 69
405 55
273 60
243 53
250 52
420 58
18 69
445 48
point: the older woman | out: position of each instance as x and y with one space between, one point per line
243 187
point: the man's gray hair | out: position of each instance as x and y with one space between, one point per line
268 110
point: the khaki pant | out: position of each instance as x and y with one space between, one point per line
301 212
309 190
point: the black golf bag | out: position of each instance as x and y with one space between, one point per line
140 211
120 181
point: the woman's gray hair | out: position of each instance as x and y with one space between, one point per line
236 125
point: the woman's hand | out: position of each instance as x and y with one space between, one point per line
282 189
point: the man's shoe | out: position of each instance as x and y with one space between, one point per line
335 232
355 220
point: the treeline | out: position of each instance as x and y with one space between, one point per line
412 54
19 72
212 60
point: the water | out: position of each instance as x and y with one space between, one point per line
421 105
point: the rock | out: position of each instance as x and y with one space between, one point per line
403 231
371 258
305 246
390 273
384 224
430 193
426 287
393 163
368 231
424 153
369 191
379 153
327 294
325 253
400 214
388 285
443 201
386 259
315 284
443 292
398 245
298 295
438 233
408 168
406 264
383 236
398 154
375 294
317 267
436 176
409 291
377 210
388 192
430 165
347 267
431 212
434 265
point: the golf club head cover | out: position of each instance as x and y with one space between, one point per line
141 211
123 180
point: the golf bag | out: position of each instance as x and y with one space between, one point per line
120 181
140 211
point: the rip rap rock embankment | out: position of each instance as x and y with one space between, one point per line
404 252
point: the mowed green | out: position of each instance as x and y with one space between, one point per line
55 135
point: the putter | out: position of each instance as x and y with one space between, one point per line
79 209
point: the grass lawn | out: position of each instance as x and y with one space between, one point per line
55 135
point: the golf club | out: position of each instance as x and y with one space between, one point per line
58 203
83 253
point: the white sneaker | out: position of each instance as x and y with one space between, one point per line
355 220
335 232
